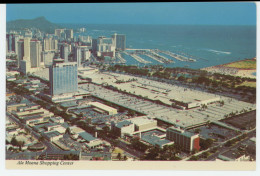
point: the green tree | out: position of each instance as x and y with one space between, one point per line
205 144
194 158
119 156
14 141
125 157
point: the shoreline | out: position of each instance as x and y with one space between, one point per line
226 70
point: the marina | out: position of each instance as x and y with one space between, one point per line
178 57
154 58
120 58
139 59
154 54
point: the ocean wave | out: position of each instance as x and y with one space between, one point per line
218 52
96 30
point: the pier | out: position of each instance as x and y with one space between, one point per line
139 59
162 58
154 58
120 58
178 57
128 49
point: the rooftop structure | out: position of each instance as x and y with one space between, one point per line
156 141
109 110
163 92
52 135
57 119
143 123
86 136
76 130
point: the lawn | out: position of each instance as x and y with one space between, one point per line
245 64
249 84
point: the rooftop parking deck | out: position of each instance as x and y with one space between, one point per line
183 118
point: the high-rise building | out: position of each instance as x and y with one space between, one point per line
20 51
119 41
54 44
77 55
69 33
6 45
64 52
58 32
25 66
9 42
50 44
189 141
12 42
64 33
27 47
105 47
35 53
15 40
63 78
85 53
47 44
94 47
47 58
28 34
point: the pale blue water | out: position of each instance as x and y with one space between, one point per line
209 45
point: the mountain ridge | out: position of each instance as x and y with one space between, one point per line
40 23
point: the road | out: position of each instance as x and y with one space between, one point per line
49 147
133 153
223 149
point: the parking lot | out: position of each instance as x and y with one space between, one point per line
218 133
243 121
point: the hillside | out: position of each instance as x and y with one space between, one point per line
39 23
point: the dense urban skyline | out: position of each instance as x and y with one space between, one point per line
181 87
205 13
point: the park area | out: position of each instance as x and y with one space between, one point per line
244 64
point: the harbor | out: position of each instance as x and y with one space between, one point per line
178 57
120 58
139 59
158 56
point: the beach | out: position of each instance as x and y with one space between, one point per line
227 69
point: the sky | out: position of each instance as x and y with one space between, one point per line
193 13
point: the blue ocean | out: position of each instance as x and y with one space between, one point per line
209 45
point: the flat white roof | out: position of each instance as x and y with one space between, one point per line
76 129
103 106
141 120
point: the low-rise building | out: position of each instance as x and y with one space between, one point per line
91 141
57 119
76 130
156 141
55 127
189 141
232 155
143 123
14 107
52 135
122 128
35 119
